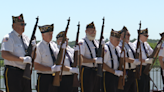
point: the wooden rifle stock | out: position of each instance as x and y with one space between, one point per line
33 58
99 53
121 81
27 72
56 80
76 82
154 55
138 54
61 72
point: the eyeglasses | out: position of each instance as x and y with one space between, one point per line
23 24
146 35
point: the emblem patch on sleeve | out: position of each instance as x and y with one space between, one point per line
161 47
80 43
105 51
5 39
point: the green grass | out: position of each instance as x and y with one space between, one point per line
1 62
156 64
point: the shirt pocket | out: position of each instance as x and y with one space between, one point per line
44 57
18 48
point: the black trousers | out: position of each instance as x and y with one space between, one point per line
110 82
44 83
162 78
144 82
66 85
14 80
130 82
90 82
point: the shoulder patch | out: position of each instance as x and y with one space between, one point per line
80 43
105 50
161 47
5 39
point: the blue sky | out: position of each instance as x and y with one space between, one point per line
117 13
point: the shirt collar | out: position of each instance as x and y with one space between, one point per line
46 42
16 33
111 45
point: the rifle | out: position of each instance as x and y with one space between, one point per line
76 59
121 81
61 72
138 54
99 51
33 58
154 55
27 72
56 81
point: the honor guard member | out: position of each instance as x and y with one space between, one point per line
66 85
144 81
161 60
46 55
13 48
131 62
111 63
90 82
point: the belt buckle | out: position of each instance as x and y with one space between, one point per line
134 70
53 74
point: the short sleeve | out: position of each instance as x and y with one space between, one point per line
7 44
161 52
38 56
82 47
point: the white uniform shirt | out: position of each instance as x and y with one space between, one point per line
13 43
107 56
43 55
161 52
85 50
147 47
67 61
130 53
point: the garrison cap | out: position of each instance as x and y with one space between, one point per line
91 25
144 31
60 34
18 18
46 28
123 30
116 34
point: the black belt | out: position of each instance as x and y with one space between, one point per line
43 74
12 67
134 70
92 68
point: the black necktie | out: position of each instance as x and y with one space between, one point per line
95 47
52 54
132 51
69 58
117 55
128 56
145 50
23 43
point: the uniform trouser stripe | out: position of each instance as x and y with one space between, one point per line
6 79
137 85
104 83
82 71
38 83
